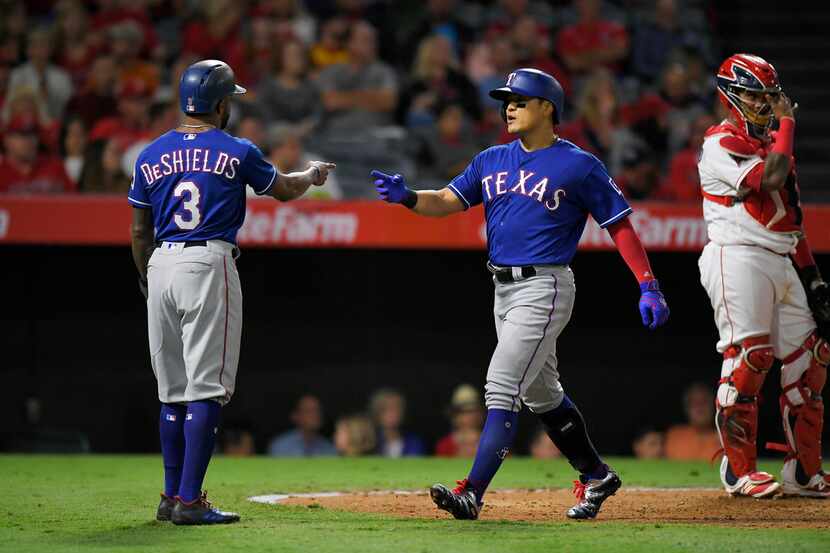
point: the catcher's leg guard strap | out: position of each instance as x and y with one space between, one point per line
752 360
566 429
745 367
803 377
738 428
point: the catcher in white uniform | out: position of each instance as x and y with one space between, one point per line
768 296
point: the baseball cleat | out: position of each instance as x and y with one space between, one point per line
200 511
165 507
461 502
817 486
757 484
591 494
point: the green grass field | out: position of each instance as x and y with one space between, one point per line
107 503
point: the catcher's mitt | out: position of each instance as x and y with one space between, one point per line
818 298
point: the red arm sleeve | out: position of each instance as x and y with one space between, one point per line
631 249
803 256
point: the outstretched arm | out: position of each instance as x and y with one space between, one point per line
432 203
290 186
631 249
653 307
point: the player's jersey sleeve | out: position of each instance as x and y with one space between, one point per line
602 198
724 167
256 171
138 196
467 185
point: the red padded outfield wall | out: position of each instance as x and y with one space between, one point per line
105 220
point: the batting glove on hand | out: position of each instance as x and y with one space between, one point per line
320 170
393 189
653 307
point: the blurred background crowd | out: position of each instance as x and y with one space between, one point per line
85 85
382 429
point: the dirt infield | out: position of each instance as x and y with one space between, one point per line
637 506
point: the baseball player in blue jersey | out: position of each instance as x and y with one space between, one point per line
188 199
537 193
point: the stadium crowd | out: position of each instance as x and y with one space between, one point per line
84 85
381 429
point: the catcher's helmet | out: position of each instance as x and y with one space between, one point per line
747 72
204 84
534 84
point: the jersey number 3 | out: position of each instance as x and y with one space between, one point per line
190 203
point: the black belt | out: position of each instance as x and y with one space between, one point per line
505 274
203 243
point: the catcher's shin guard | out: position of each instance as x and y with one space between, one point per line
744 368
803 376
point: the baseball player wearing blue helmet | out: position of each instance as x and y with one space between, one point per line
537 193
188 199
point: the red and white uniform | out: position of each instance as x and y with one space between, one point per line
759 302
745 268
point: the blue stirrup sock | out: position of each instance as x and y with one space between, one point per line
566 429
200 427
493 446
171 434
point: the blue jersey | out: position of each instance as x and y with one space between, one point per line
195 184
537 203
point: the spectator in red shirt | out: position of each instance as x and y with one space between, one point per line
682 183
132 122
75 52
467 417
24 101
217 33
111 13
533 44
23 170
97 98
592 42
260 54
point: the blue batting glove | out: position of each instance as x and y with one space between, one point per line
391 188
653 307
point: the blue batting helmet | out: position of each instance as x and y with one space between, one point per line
534 84
204 84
